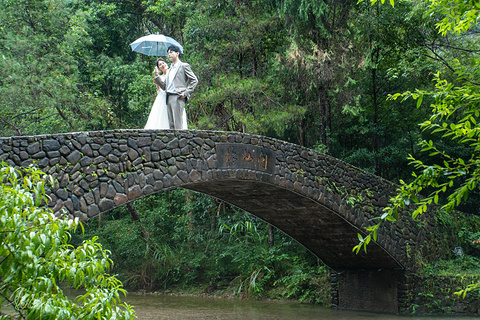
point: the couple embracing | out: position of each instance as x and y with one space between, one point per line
174 87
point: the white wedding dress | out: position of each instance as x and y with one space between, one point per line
158 118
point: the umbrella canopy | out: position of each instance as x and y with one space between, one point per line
154 45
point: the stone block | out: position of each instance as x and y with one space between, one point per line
34 148
120 199
106 204
93 211
134 192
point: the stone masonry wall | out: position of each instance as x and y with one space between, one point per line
97 171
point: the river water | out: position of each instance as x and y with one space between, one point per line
156 307
169 307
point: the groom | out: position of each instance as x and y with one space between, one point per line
179 84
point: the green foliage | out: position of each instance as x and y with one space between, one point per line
231 43
247 105
307 284
462 265
186 240
36 258
390 58
40 90
454 117
445 282
458 16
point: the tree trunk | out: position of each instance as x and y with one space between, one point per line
302 131
135 217
191 224
133 212
271 236
188 201
254 67
240 64
325 117
375 122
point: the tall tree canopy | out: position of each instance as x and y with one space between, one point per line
40 89
453 163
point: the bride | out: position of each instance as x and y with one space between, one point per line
158 118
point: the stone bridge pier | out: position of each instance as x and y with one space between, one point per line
320 201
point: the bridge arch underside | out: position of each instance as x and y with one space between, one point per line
367 282
321 230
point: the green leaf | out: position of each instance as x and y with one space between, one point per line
419 100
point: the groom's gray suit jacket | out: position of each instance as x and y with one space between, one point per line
184 80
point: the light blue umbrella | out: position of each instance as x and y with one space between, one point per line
154 45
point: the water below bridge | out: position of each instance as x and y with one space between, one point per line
163 307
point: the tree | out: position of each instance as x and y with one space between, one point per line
317 64
36 258
231 42
374 133
42 44
455 112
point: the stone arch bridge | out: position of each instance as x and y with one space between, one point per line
320 201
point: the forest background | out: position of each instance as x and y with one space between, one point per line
316 73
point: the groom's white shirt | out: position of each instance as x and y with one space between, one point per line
170 76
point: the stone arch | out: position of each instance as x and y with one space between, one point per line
320 201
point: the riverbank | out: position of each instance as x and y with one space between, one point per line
437 288
209 291
438 294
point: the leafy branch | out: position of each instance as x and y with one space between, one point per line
38 256
454 176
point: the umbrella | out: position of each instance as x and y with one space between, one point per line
154 45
